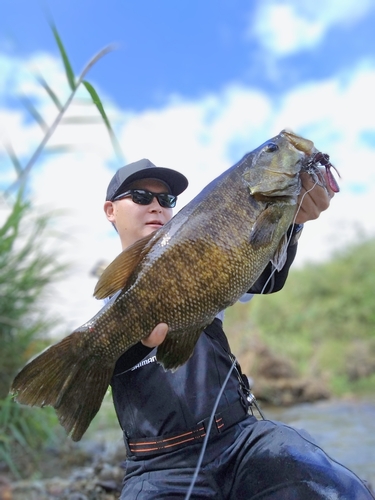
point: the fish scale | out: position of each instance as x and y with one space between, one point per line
196 265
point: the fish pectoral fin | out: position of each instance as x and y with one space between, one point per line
116 275
279 258
177 348
263 230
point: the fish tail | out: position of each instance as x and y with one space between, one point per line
67 378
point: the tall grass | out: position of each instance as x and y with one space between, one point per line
26 268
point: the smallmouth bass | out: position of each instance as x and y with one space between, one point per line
199 263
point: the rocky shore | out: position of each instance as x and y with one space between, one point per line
87 471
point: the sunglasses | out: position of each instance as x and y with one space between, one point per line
143 197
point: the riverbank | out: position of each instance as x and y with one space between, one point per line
91 469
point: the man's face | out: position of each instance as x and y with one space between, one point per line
134 221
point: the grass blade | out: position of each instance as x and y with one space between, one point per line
18 436
98 103
5 455
96 100
12 155
34 113
50 92
79 120
68 68
59 149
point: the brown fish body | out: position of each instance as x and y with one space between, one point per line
198 264
202 261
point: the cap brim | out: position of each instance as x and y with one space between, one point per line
176 181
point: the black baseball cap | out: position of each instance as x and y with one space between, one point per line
144 169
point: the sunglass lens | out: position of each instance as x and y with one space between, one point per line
167 200
142 197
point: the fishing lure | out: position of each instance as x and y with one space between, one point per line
322 159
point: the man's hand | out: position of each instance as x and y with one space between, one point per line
312 199
157 335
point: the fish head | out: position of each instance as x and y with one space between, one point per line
273 168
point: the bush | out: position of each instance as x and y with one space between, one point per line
25 270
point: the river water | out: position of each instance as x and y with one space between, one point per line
344 429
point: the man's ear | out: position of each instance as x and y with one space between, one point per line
109 211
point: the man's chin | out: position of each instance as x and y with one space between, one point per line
153 227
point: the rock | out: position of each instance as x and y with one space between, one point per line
360 360
288 391
5 488
276 381
276 367
99 479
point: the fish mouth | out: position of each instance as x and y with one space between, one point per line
300 143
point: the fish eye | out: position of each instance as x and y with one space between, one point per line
271 147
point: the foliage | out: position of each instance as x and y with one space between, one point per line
74 84
323 319
26 268
22 433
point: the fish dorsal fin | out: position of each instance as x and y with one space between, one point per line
116 275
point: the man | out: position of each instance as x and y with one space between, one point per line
164 414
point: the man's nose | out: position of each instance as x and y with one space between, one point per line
155 206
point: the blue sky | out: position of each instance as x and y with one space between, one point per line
192 85
193 48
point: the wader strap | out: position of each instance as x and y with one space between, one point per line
215 331
171 442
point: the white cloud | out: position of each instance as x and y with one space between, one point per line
202 138
281 30
194 136
285 27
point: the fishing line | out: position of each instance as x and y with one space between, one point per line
289 238
252 400
208 430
